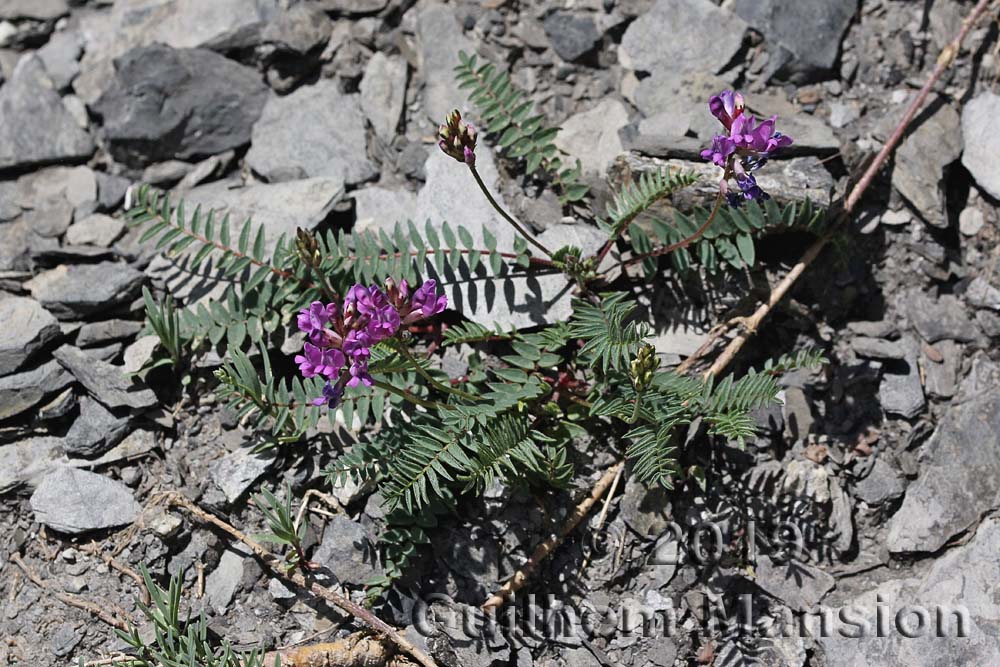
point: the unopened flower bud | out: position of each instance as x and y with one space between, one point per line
642 368
307 246
457 139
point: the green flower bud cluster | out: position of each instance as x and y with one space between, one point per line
643 366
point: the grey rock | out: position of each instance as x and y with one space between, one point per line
411 161
971 221
383 94
60 55
139 353
27 328
572 34
38 10
135 444
72 291
9 208
95 430
937 319
64 640
315 131
380 208
223 582
58 407
877 348
111 190
168 103
959 584
988 322
99 333
941 378
352 6
959 480
77 501
456 644
37 128
798 585
881 485
702 37
808 30
166 173
294 31
27 460
77 186
236 472
107 383
592 135
981 143
900 391
347 551
843 114
918 173
981 294
25 390
441 38
96 229
50 218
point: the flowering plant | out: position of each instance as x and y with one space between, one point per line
518 413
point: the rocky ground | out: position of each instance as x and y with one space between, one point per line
321 113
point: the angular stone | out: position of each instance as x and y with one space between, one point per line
98 333
941 377
959 479
347 551
592 135
27 328
27 460
808 30
236 472
78 290
224 580
441 38
38 10
900 391
352 6
959 590
178 103
941 318
877 348
315 131
50 218
881 485
798 585
107 383
25 390
702 37
380 208
58 407
919 168
36 127
60 55
982 144
76 501
75 185
95 430
97 229
139 353
383 93
572 34
981 294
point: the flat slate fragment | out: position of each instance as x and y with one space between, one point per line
77 501
108 383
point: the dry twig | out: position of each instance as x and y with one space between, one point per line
69 598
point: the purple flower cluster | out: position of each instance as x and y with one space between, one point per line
744 148
343 338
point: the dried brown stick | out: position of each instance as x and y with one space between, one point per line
69 598
95 550
944 61
516 582
272 562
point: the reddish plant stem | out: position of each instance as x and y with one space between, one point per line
683 243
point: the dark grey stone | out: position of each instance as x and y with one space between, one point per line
27 389
109 384
941 318
36 127
73 291
27 327
77 501
959 479
27 460
798 585
809 31
347 551
236 472
877 348
223 582
572 34
178 103
918 171
95 430
881 485
900 391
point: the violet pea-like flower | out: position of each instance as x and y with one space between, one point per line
332 393
425 302
313 320
318 361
